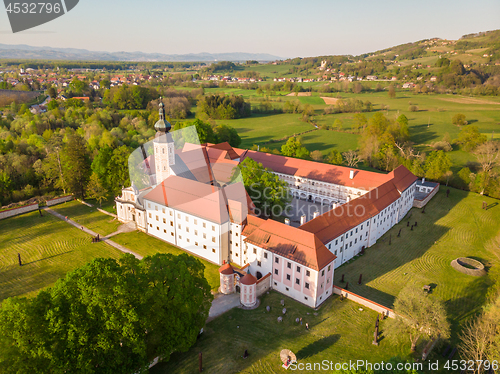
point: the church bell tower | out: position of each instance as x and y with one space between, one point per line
163 147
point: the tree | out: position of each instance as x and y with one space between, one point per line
118 170
226 133
269 194
76 165
459 119
108 316
392 91
488 155
360 122
317 156
437 164
417 315
335 157
204 131
52 92
337 124
470 137
95 189
294 148
351 158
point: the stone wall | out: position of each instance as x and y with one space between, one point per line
15 211
421 203
365 302
59 200
264 284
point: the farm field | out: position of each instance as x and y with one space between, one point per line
49 249
450 228
147 245
88 217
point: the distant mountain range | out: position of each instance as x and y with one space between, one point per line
23 51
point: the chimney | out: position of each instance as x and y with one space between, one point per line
315 214
302 219
287 221
351 174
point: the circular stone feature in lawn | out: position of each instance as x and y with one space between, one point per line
468 266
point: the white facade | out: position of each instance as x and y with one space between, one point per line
201 237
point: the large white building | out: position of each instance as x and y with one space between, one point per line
194 203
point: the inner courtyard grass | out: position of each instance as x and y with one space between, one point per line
49 248
147 245
339 331
451 227
89 217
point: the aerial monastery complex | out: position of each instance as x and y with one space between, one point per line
187 194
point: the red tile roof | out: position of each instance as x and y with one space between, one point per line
336 222
200 199
248 280
226 269
402 178
318 171
290 242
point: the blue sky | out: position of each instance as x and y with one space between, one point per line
286 28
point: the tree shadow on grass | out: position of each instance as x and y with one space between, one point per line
317 346
47 258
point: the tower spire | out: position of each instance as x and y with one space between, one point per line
162 126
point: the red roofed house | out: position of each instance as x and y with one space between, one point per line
187 197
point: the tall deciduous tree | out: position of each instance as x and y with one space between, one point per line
76 165
268 193
118 170
107 317
294 148
417 315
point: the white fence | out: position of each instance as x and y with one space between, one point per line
15 211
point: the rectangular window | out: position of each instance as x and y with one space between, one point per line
204 236
171 224
297 281
204 225
329 246
187 229
179 226
204 247
150 216
255 251
178 215
213 228
307 285
157 218
259 263
164 220
196 232
329 267
149 205
277 260
196 244
308 273
195 221
213 250
305 297
356 230
298 269
156 207
171 234
289 265
288 277
323 272
335 253
213 239
171 213
265 254
164 231
350 244
163 210
157 228
336 242
276 271
187 219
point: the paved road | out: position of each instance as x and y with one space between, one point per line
88 231
222 303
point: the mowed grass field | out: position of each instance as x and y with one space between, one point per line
339 331
49 249
450 227
89 217
147 245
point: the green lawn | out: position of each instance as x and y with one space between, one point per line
339 332
89 217
147 245
49 249
450 228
